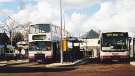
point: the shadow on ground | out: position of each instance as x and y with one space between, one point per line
10 69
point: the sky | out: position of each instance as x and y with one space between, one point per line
80 15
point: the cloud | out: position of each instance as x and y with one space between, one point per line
113 15
79 2
47 11
42 12
72 2
6 12
3 1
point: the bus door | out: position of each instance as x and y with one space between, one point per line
133 48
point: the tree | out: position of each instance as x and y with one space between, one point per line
4 39
17 37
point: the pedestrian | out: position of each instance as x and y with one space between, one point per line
23 53
16 53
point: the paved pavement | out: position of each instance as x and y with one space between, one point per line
26 62
132 63
3 63
59 64
13 62
51 65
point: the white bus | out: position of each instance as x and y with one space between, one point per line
115 46
44 42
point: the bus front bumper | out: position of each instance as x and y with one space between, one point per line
40 58
114 58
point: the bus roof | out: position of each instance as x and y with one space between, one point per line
114 32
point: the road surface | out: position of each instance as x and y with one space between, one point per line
82 70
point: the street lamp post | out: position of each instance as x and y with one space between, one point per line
61 22
10 36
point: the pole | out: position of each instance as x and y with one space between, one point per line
133 48
11 37
64 26
61 18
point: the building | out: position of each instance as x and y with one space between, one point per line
4 41
90 47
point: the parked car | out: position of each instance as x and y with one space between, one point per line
9 52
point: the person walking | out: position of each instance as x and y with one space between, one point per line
16 53
22 53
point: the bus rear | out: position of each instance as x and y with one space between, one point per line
115 46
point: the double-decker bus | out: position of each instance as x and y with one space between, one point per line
115 46
44 40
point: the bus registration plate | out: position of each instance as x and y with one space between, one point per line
115 54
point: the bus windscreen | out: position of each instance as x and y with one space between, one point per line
40 46
114 42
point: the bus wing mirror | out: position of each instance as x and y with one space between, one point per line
129 39
98 41
133 39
